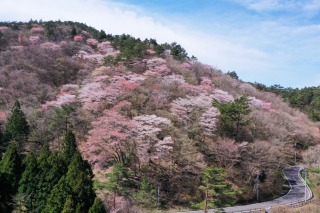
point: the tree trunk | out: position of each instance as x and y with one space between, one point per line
206 201
114 200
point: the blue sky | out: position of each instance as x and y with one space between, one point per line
268 41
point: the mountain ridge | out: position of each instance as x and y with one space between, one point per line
147 106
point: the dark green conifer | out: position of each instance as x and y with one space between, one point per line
77 184
69 146
97 207
10 170
68 205
29 181
17 127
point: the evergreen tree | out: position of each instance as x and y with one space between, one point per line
97 207
233 75
69 146
3 204
178 52
77 184
102 35
218 192
118 181
79 179
17 127
51 169
57 198
145 196
68 205
29 180
73 32
233 116
10 170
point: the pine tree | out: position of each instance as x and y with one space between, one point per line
233 116
97 207
145 196
218 192
118 181
17 127
102 35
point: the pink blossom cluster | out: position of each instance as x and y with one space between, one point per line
34 39
92 94
151 51
206 82
158 65
92 42
78 38
260 104
109 132
3 116
168 79
50 46
186 64
105 47
37 30
17 48
23 39
222 96
247 88
149 146
208 121
4 28
205 86
182 107
67 95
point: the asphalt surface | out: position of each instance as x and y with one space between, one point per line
298 193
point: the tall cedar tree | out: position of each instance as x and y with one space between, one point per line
68 206
97 207
17 127
29 181
233 116
75 188
51 169
10 170
69 146
218 193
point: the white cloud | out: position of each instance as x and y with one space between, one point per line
313 5
277 5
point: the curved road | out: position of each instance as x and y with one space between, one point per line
298 193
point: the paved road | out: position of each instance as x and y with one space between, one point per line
297 193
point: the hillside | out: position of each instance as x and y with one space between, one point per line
143 115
